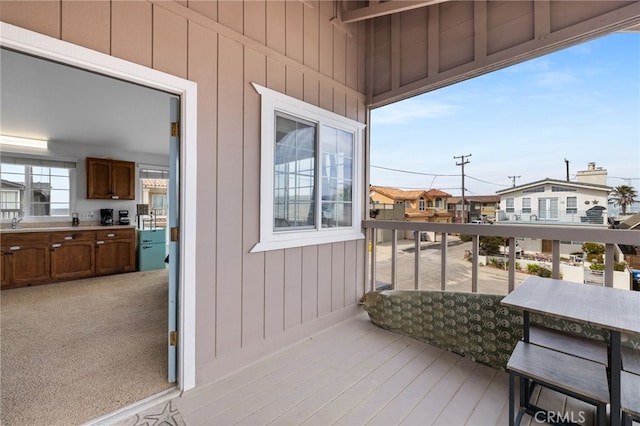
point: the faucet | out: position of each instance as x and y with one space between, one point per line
14 222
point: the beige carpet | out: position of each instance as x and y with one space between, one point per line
73 351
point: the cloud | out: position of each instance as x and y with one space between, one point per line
410 110
554 79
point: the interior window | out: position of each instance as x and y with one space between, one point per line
35 191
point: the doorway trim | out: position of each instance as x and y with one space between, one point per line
46 47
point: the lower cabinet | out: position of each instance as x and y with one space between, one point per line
25 260
32 258
72 260
115 252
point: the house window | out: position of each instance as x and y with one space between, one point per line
438 203
572 205
33 188
407 204
532 190
421 204
526 205
310 174
510 205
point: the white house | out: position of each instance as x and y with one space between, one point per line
557 202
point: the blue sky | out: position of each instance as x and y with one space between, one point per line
581 103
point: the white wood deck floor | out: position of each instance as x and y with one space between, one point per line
354 374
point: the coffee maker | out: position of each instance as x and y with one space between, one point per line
106 217
123 217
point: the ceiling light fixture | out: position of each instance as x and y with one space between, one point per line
24 142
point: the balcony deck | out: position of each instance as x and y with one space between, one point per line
357 373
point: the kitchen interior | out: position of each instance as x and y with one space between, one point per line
85 177
102 165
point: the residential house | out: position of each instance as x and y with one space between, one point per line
556 202
249 73
479 208
419 205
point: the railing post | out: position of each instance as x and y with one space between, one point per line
555 259
475 252
374 243
443 262
512 264
394 258
609 263
416 261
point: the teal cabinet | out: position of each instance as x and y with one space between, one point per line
151 249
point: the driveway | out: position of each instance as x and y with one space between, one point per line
490 280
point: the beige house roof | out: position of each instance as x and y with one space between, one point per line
402 195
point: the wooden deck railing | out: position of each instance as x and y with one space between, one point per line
608 237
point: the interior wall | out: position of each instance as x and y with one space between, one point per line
248 304
452 41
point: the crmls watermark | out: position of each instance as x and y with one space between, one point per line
554 417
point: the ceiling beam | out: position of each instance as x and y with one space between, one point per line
386 8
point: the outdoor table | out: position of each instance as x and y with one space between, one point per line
616 310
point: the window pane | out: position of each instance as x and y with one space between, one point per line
294 176
337 177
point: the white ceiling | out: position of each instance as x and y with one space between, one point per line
43 99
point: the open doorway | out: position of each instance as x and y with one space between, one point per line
162 276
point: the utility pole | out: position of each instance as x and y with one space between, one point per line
567 164
513 178
462 162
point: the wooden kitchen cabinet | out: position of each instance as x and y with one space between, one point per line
110 179
25 260
72 254
115 251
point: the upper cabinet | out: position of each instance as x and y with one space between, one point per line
110 179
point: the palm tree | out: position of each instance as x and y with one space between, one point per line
624 195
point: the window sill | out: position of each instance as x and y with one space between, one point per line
283 241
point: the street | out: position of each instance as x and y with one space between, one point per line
491 280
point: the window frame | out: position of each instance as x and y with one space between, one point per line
571 205
271 239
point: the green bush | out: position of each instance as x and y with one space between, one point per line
532 268
594 248
464 238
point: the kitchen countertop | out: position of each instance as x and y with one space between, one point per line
54 228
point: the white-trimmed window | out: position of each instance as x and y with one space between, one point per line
311 166
34 188
572 205
526 205
510 205
421 204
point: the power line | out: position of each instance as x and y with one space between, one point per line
409 171
484 181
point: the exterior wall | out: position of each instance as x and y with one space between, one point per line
423 49
248 304
585 200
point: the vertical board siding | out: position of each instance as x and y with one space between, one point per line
255 20
324 279
456 34
230 14
87 23
253 263
294 25
337 276
202 65
38 15
207 8
274 293
229 193
413 45
131 35
169 42
292 287
382 54
276 25
244 301
310 269
325 42
311 35
509 24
